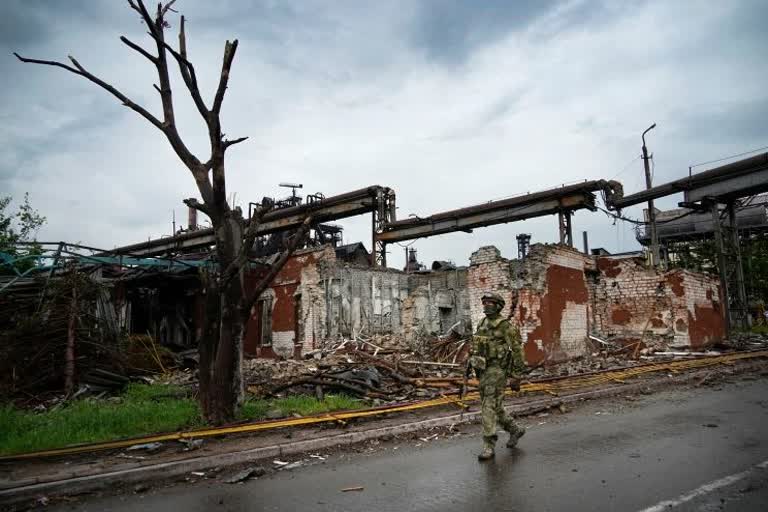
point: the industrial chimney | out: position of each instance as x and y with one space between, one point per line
192 219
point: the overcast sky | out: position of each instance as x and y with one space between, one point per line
451 103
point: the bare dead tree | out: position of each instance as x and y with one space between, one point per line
228 304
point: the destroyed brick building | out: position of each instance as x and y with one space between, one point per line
568 303
564 296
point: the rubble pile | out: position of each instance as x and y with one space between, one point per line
381 368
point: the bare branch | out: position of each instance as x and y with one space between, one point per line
197 205
142 10
47 63
299 237
228 143
80 70
229 56
139 49
157 88
187 71
168 7
253 225
204 185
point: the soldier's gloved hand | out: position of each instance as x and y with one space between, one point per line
477 362
514 384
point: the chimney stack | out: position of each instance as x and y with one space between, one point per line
192 219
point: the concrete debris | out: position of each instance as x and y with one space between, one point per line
192 444
252 472
149 447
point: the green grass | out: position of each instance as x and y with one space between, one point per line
142 410
299 404
760 329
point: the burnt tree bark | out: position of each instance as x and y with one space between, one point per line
227 305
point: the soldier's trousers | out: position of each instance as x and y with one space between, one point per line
493 382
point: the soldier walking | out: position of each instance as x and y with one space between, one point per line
496 358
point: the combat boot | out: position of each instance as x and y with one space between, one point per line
488 452
515 436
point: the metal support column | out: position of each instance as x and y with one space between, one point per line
523 241
740 308
564 223
655 257
383 213
561 226
714 210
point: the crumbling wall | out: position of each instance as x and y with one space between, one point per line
336 299
660 309
343 300
632 302
441 301
553 307
288 313
562 297
702 319
488 272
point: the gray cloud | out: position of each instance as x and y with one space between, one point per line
448 31
433 99
26 23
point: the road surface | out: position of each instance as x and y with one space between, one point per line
694 449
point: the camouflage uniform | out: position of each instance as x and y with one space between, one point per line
497 355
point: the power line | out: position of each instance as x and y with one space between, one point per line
729 157
641 222
626 167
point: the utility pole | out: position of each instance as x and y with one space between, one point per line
655 260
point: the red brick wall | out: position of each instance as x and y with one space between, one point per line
564 296
553 310
283 299
677 308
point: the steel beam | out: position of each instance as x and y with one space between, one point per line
749 166
481 216
331 208
731 188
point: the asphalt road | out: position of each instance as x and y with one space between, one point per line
702 449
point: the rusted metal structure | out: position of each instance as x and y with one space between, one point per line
377 200
562 201
718 191
380 202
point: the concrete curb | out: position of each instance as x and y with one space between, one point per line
169 470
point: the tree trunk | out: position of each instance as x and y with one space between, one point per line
221 346
69 367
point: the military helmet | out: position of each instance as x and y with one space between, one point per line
493 297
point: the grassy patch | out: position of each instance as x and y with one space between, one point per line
299 404
141 410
